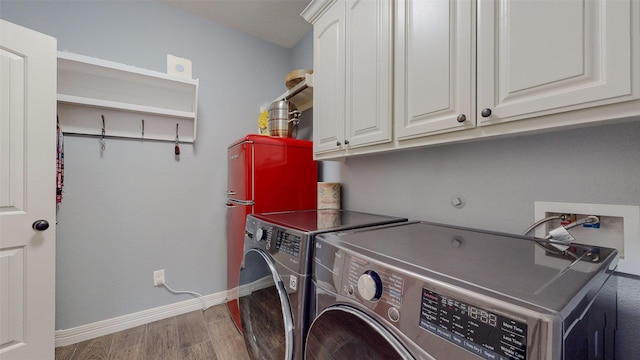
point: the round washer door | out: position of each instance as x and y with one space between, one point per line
265 313
344 333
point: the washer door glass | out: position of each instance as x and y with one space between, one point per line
344 333
265 313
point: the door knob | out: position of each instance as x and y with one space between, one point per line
461 118
40 225
486 112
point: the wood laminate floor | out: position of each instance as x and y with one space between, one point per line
197 335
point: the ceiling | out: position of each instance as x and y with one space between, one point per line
277 21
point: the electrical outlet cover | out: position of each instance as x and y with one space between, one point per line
158 277
179 66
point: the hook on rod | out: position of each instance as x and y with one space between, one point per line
177 147
102 140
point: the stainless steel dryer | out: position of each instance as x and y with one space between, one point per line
275 276
419 290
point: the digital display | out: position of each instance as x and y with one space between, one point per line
488 335
288 243
483 316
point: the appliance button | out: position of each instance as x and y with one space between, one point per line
394 314
350 289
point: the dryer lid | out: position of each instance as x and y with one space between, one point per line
509 265
325 220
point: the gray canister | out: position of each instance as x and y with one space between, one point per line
283 119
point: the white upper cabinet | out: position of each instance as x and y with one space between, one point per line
429 72
369 72
538 58
329 80
433 67
352 73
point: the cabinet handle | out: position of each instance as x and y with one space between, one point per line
346 142
486 112
338 143
461 118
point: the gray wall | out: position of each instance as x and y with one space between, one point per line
500 180
302 58
136 209
302 53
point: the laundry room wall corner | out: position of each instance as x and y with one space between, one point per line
133 208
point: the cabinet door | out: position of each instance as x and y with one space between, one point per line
329 89
539 57
368 72
434 62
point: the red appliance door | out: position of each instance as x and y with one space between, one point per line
239 205
285 178
236 217
240 172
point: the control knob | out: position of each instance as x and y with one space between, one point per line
370 286
261 234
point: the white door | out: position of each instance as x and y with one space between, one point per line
539 57
368 72
434 67
328 79
28 66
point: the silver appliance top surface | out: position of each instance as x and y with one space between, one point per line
319 221
510 265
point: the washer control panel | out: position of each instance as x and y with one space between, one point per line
287 246
488 335
288 242
374 286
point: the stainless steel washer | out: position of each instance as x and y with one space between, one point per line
419 290
275 276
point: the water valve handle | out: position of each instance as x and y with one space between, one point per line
562 236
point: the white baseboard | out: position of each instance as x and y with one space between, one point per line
110 326
247 289
124 322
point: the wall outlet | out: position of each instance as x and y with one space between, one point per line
158 277
619 228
